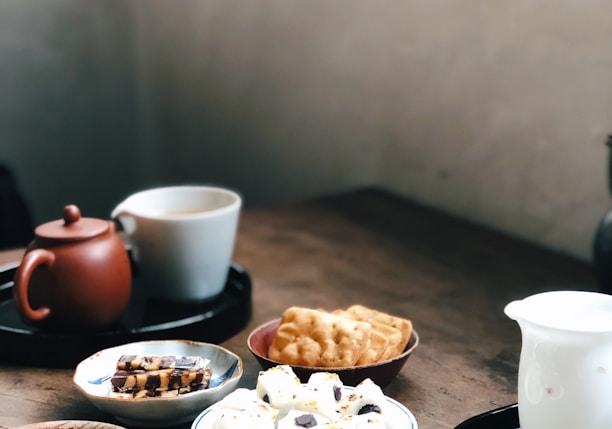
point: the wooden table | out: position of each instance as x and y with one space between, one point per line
450 277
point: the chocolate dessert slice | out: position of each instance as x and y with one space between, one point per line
148 376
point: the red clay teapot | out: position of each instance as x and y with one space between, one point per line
75 274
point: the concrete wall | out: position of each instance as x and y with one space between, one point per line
497 111
67 103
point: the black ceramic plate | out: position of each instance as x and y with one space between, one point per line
500 418
213 322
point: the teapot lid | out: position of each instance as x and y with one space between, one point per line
72 227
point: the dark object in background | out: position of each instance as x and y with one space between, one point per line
602 246
16 228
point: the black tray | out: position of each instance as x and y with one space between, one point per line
213 321
500 418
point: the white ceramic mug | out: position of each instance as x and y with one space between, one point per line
182 239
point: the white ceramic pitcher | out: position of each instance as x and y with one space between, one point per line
565 367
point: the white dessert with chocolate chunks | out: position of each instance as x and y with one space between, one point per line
142 376
245 410
281 401
296 419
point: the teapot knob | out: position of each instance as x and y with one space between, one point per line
71 214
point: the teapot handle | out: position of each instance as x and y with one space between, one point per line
31 261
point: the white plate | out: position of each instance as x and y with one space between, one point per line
71 424
92 377
399 416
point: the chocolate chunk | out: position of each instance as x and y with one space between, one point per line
337 393
305 421
125 362
369 408
118 380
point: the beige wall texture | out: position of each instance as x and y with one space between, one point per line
493 110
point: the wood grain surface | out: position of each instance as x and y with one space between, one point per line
450 277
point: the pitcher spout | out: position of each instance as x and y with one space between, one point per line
578 311
514 310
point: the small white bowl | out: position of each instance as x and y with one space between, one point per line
92 377
399 417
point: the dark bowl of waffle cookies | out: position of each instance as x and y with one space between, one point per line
356 343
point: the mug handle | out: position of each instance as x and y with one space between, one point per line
31 261
125 218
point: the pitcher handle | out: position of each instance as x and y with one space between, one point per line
31 261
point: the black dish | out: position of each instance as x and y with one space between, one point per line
505 417
213 321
